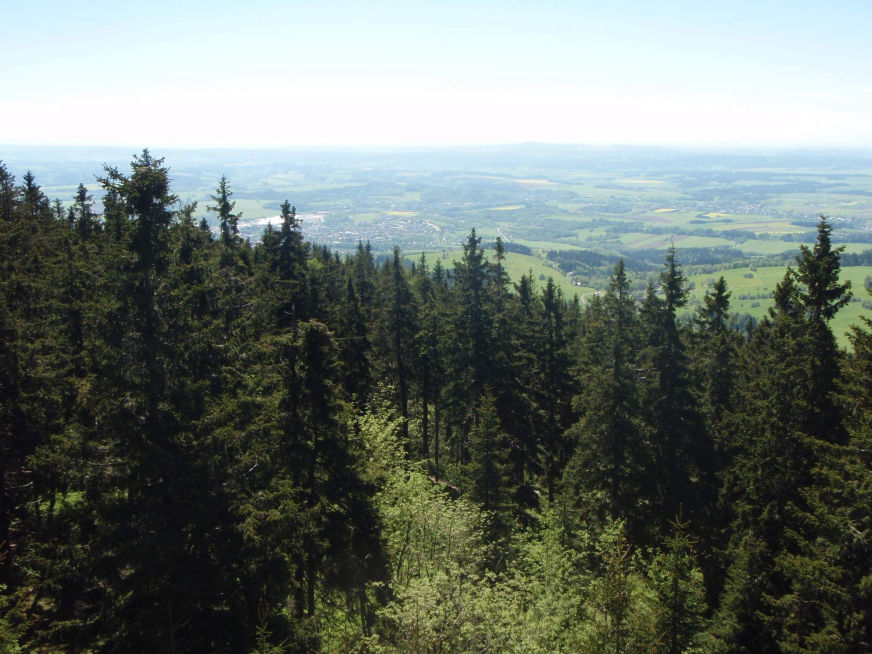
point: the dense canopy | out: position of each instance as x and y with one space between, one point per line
208 444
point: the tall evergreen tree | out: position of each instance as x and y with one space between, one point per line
470 367
154 566
680 448
528 318
288 264
398 326
84 219
555 405
8 194
821 295
429 371
223 208
678 585
606 476
489 466
786 424
717 350
340 537
354 347
34 203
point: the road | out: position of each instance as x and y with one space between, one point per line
584 295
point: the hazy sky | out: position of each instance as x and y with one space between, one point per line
436 73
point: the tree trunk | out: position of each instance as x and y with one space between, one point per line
436 438
425 426
5 550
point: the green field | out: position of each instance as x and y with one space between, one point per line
761 284
516 266
768 246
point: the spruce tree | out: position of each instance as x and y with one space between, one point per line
821 295
223 208
489 467
528 455
8 194
681 452
397 329
470 366
788 429
429 371
157 561
355 348
84 219
716 352
678 585
606 478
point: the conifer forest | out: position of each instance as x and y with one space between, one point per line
211 443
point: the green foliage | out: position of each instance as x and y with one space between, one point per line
9 643
223 208
620 619
715 359
208 445
605 478
678 585
488 451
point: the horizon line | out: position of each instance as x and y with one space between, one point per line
461 146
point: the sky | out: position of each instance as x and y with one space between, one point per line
440 73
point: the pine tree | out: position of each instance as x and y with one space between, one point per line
364 279
681 450
158 559
606 476
84 219
34 203
470 367
527 454
340 538
397 329
488 467
619 623
354 347
821 296
8 194
114 218
504 372
716 353
678 585
826 602
432 343
557 366
788 428
34 366
738 626
223 207
288 265
429 371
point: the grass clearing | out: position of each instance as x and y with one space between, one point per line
547 245
250 209
757 285
767 246
702 241
516 265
